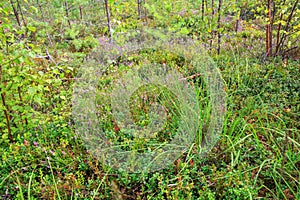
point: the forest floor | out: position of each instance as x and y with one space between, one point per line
255 157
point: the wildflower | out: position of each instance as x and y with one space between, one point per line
52 152
25 142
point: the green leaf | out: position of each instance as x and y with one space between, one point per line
34 9
31 28
184 31
31 91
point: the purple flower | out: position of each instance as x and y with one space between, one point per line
36 144
52 152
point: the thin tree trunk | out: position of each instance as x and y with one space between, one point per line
202 9
16 13
237 24
6 111
283 37
81 13
21 12
67 13
108 19
269 31
212 7
11 138
211 22
139 9
278 35
219 26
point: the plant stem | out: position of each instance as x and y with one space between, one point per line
108 19
81 13
22 15
16 13
67 13
202 9
139 8
7 117
219 26
269 31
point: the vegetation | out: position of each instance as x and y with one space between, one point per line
255 45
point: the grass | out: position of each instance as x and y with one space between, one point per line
256 156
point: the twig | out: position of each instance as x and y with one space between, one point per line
219 26
7 116
288 23
16 13
108 19
67 13
49 57
22 15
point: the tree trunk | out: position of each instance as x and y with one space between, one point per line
237 24
283 37
202 9
21 12
108 19
278 36
67 13
6 110
212 7
269 31
139 9
81 13
211 22
219 26
16 13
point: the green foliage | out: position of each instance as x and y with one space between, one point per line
257 155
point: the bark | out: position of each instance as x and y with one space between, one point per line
212 7
278 35
6 110
67 13
202 9
81 13
108 19
145 13
237 24
139 8
211 21
219 26
283 37
21 12
269 31
7 118
15 13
